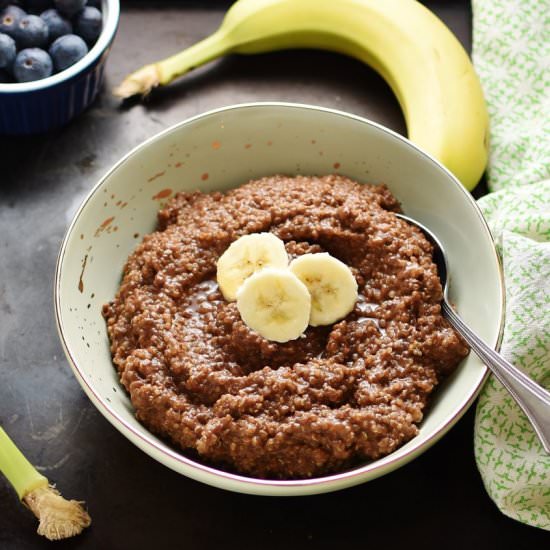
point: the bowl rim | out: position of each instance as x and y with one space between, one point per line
105 38
380 466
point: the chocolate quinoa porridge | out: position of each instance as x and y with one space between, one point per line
340 394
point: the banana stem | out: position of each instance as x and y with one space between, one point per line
59 518
18 470
202 52
162 72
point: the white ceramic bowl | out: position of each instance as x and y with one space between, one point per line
225 148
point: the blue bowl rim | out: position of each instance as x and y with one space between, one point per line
105 38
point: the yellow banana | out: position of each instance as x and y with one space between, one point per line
422 61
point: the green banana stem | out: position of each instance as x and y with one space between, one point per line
18 470
200 53
59 518
162 72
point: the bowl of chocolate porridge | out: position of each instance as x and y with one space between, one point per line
239 299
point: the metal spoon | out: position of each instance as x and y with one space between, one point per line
533 399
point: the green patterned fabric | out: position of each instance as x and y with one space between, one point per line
511 52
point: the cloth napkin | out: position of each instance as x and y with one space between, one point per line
511 53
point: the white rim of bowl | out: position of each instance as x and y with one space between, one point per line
106 36
384 463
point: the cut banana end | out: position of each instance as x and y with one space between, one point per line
247 255
275 303
331 284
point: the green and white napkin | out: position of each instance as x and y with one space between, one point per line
511 53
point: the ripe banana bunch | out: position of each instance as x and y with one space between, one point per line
278 300
418 56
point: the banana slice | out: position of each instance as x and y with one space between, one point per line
245 256
330 282
275 303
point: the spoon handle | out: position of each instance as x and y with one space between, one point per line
533 399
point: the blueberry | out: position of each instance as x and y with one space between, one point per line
88 23
10 17
67 50
38 6
57 24
8 51
32 64
4 3
69 7
31 32
15 8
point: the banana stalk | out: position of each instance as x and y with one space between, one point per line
422 61
163 72
58 518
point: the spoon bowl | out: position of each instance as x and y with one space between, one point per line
533 399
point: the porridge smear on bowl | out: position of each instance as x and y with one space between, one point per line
352 391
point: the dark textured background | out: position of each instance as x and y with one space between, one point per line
437 501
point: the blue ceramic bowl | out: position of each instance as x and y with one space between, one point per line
43 105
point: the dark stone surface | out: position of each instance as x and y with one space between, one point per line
437 501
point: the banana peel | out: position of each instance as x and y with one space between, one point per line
418 56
